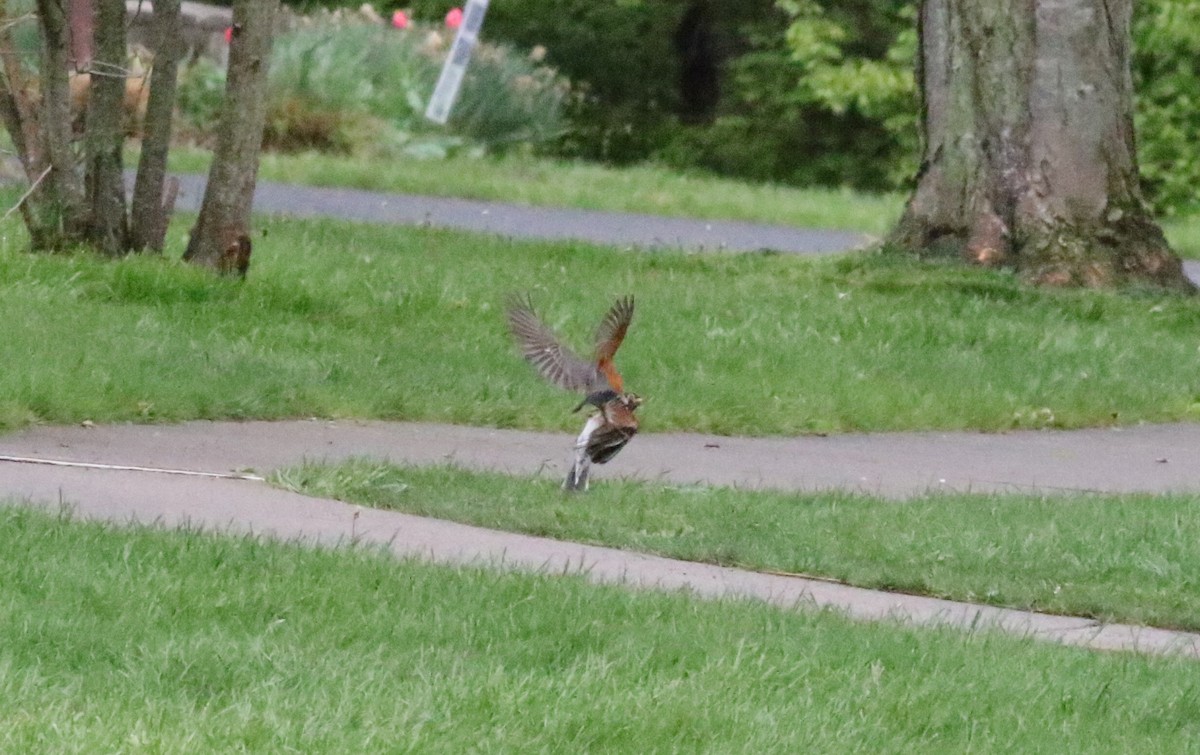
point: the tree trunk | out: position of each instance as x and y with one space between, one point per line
58 207
81 21
107 228
1029 156
152 207
70 204
220 239
18 112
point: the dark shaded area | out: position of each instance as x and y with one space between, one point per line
699 65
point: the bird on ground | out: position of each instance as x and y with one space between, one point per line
613 424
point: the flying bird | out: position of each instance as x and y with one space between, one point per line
613 423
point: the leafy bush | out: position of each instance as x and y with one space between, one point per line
1167 44
388 75
800 108
339 84
200 92
838 73
617 53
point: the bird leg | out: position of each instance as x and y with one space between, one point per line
577 477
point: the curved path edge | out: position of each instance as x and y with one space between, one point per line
249 506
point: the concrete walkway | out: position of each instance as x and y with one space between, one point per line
895 464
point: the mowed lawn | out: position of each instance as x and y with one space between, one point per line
343 320
151 641
1132 558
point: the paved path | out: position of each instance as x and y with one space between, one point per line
1157 458
993 462
508 219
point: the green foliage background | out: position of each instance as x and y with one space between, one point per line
813 91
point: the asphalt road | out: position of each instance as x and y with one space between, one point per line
514 220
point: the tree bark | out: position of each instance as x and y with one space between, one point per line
1029 157
220 238
152 207
58 205
107 227
18 112
81 22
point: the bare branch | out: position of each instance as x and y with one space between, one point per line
29 191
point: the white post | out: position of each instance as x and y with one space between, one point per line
450 80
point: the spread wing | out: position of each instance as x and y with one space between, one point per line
541 348
609 336
612 328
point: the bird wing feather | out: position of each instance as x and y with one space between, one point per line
543 349
609 336
612 328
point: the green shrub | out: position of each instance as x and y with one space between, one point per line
617 53
1167 45
506 97
841 70
796 111
199 95
339 84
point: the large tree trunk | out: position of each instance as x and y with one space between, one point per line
1029 154
220 239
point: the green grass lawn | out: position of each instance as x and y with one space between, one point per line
340 320
641 188
151 641
1118 558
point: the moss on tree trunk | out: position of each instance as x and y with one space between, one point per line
1030 158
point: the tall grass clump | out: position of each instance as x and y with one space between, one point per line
340 85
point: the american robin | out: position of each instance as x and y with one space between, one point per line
613 423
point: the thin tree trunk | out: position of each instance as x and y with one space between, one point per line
16 107
220 239
18 113
60 214
105 137
81 22
152 208
1029 157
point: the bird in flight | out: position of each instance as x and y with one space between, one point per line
613 423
